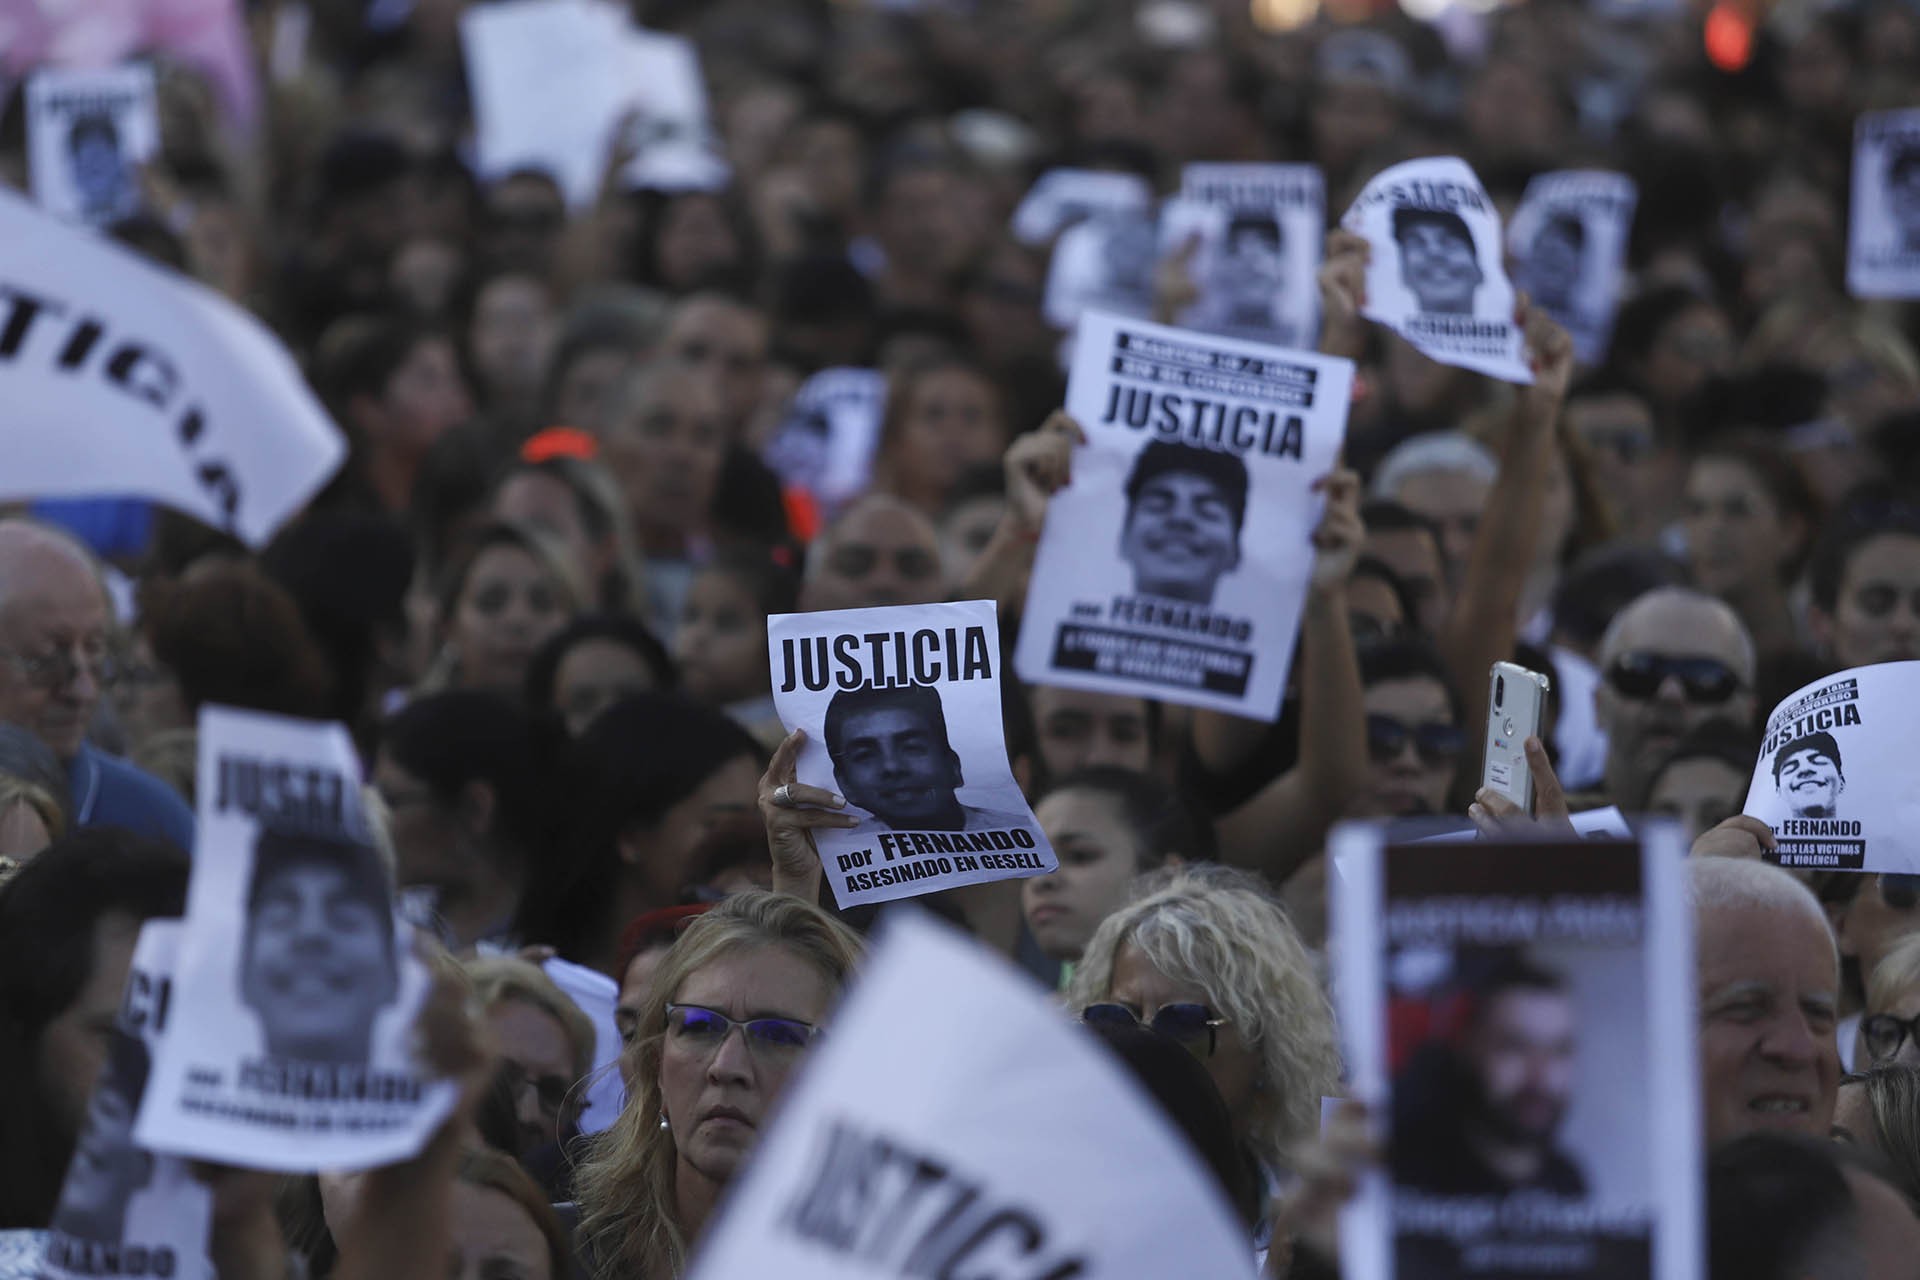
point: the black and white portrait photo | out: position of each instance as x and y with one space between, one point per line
1186 505
1883 224
1807 776
100 173
1555 261
1438 261
892 756
1249 272
88 133
107 1167
1903 192
317 962
1568 238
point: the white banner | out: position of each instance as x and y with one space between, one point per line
1436 277
1883 240
825 442
1835 778
954 1123
1259 231
1569 240
290 1046
1175 565
88 133
901 707
125 1211
1511 1012
118 376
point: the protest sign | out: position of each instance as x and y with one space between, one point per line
296 992
1436 277
1062 197
1257 231
1835 777
1883 239
901 708
953 1123
1175 565
121 377
88 133
125 1211
825 442
1104 263
1569 242
527 116
1511 1013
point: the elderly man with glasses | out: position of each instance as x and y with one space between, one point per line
55 639
1670 662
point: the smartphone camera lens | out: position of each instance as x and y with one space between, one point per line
1499 690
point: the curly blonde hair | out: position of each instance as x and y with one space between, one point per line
625 1185
1223 931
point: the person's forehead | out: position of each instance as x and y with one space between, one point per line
886 527
1886 555
885 722
1404 546
1050 700
1679 628
1188 482
1407 694
1807 755
38 568
1782 947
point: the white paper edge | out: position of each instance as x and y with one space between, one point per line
1355 913
1679 1243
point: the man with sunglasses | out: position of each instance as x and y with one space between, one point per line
1671 661
55 638
880 551
1806 774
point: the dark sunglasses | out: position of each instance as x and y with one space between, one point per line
1437 744
1885 1033
705 1029
1191 1025
858 561
1901 893
1640 675
1879 600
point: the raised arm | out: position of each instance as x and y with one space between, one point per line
1485 618
1287 820
793 812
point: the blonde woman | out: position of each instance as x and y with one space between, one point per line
731 1011
513 588
1204 955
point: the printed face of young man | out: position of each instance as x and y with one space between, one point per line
97 172
1903 198
1810 783
894 764
1180 537
1439 267
1522 1052
1554 266
1250 269
107 1168
318 966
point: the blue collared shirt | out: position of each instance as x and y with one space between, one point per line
108 792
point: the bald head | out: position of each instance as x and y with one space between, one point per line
1670 662
1769 975
54 630
880 551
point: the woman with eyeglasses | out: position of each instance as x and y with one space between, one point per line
1206 957
1875 919
1889 1024
731 1012
1748 516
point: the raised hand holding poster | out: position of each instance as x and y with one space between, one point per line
1436 277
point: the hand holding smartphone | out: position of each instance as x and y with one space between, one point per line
1516 703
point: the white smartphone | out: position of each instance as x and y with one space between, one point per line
1516 702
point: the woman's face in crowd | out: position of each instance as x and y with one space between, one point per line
1877 616
1868 926
427 841
580 398
508 605
664 854
147 697
511 334
1737 536
1408 781
696 238
965 532
1905 1006
1693 347
595 674
1141 987
1698 793
424 399
722 645
1077 729
535 1044
952 424
716 1097
494 1238
1099 855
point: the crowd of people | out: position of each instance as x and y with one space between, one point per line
538 591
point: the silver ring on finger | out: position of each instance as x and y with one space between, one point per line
782 796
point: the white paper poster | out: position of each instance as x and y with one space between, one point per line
901 708
1569 241
123 378
1883 241
527 116
826 441
1436 277
1258 230
125 1211
88 133
1511 1015
1175 565
1104 263
953 1122
1062 197
290 1043
1835 778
